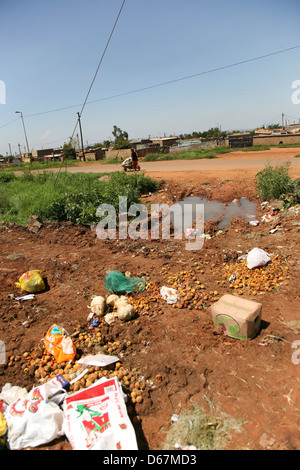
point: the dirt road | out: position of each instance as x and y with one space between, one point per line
233 165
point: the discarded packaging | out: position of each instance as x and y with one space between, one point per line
257 257
98 360
3 431
118 283
169 295
31 281
3 425
11 393
191 232
25 297
58 343
96 418
35 419
239 318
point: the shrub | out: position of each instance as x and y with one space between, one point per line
274 183
6 177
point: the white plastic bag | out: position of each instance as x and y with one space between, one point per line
169 295
33 420
257 257
11 393
96 418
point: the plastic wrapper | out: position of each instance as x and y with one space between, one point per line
257 257
35 419
118 283
58 343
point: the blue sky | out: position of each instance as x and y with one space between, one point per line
50 51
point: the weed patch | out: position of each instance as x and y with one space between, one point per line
68 197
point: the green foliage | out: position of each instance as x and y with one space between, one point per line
213 132
5 177
121 139
68 197
192 154
293 197
69 150
274 183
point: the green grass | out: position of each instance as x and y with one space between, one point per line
41 165
192 154
67 196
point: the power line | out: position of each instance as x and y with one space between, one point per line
4 125
166 83
99 65
137 90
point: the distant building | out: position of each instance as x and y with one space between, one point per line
92 154
165 141
47 154
240 140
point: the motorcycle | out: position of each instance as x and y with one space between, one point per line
127 165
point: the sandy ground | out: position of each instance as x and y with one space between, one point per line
234 164
181 362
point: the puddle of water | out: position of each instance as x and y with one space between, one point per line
214 210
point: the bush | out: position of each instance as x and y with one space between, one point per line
274 183
81 207
6 177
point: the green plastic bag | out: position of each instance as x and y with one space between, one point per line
118 283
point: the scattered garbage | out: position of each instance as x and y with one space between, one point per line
257 257
191 233
31 281
96 418
169 294
25 297
3 428
11 393
268 217
59 343
117 283
35 419
254 222
239 318
181 447
98 360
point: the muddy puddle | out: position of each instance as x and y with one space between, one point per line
215 211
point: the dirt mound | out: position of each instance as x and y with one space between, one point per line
169 355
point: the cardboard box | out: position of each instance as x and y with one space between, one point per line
240 318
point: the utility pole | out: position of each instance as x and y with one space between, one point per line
20 112
20 153
83 155
9 149
282 121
